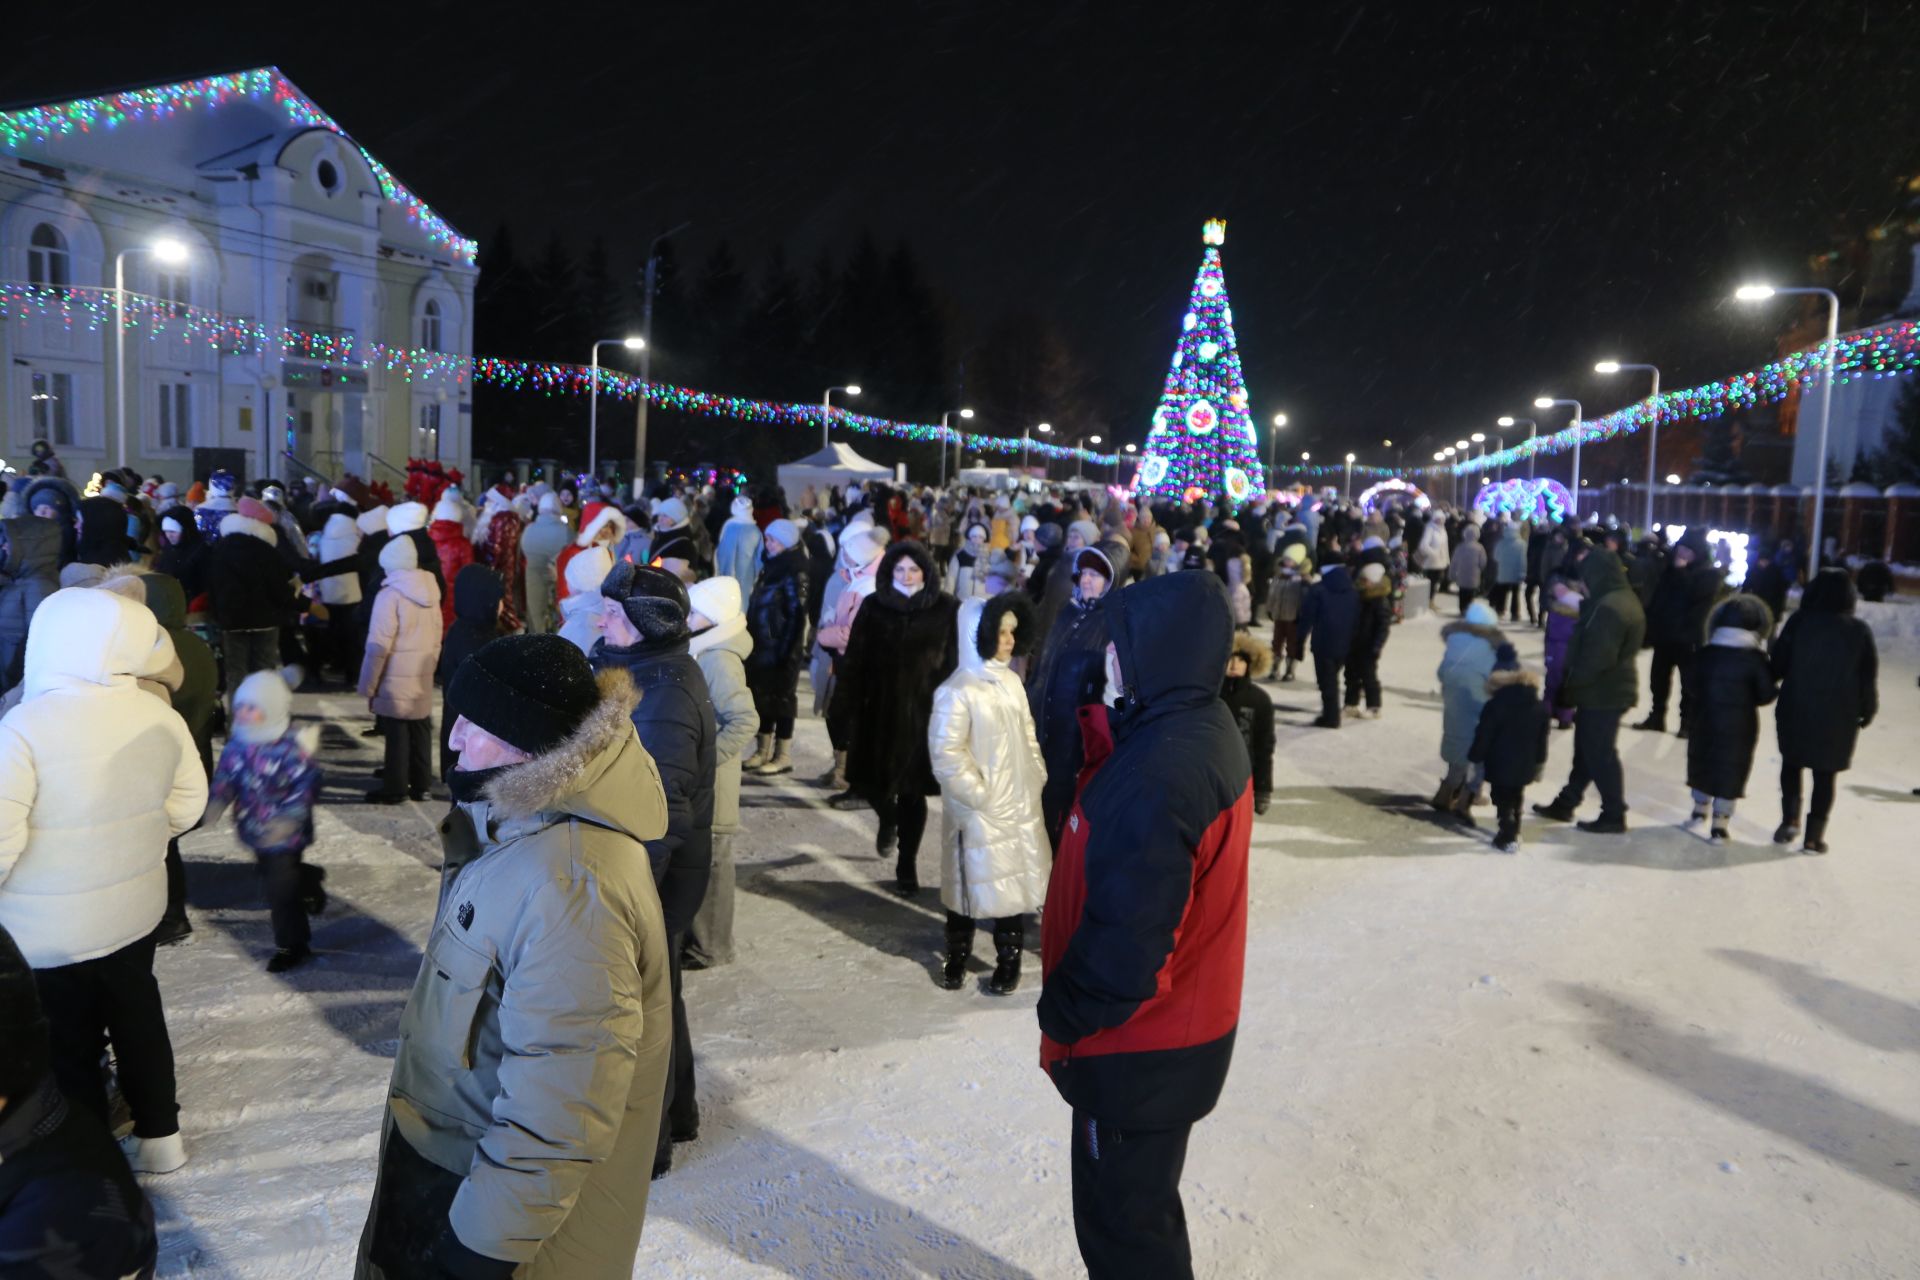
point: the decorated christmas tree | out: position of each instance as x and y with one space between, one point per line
1203 437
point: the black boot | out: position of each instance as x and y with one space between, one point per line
959 951
906 874
1816 841
313 893
888 840
1656 722
1789 829
1557 810
1507 838
1007 939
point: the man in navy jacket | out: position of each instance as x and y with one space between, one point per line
1145 932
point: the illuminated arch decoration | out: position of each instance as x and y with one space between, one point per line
1541 501
1392 490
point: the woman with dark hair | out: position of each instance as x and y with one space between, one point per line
1828 667
903 644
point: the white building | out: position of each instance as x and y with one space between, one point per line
288 225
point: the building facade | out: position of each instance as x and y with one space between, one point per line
319 319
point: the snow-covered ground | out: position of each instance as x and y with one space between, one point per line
1604 1057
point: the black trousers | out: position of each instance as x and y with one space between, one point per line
1326 673
176 882
1668 658
1127 1213
906 815
1790 793
1363 674
286 879
1467 595
112 998
248 651
1533 602
409 755
680 1106
1596 759
776 698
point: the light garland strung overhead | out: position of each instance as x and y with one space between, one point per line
94 309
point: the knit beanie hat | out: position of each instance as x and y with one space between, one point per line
1049 536
1506 659
1746 613
1481 615
671 510
863 548
587 570
398 553
531 692
254 509
1088 531
654 600
549 505
23 1027
268 691
717 599
784 532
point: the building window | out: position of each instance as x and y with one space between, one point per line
173 290
427 445
176 415
52 398
328 176
49 264
430 326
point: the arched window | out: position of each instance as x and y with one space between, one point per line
430 326
49 263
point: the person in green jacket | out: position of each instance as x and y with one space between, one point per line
195 700
1602 684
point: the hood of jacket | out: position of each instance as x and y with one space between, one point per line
33 547
1502 679
1470 533
168 600
590 775
406 517
884 594
477 593
237 523
1335 582
56 488
371 522
1173 635
82 636
967 624
340 532
1601 572
416 585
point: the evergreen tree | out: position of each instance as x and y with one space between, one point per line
1901 445
558 325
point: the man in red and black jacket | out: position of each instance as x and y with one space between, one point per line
1145 933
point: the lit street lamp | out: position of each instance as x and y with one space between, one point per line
826 408
1045 429
167 250
1273 441
944 433
1349 485
1760 293
593 404
1653 438
1079 458
1548 402
1533 429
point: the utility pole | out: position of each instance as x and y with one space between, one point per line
649 284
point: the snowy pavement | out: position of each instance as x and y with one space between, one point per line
1604 1057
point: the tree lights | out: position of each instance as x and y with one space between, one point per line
1202 435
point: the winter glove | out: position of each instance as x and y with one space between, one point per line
1261 803
454 1261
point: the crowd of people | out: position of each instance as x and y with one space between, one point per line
1078 675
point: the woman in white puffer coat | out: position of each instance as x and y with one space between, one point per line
96 776
987 760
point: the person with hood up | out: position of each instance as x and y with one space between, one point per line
1472 645
534 1050
721 646
83 850
194 699
45 459
1683 597
1602 684
1143 943
1252 710
647 637
583 610
183 551
1828 669
674 547
221 501
1510 742
1468 566
852 582
1509 570
396 675
1373 626
1286 594
55 499
69 1206
541 546
964 571
250 591
1562 610
340 592
103 533
1329 618
451 548
738 554
902 646
987 761
777 620
1066 675
479 606
29 573
409 520
1731 682
268 775
1432 558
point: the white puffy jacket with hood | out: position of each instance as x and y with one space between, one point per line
339 538
995 855
95 777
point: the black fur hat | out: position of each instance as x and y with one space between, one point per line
987 638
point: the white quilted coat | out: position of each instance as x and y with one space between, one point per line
95 777
987 759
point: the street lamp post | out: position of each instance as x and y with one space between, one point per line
1761 292
593 405
1548 402
1462 482
1653 437
1080 454
1273 441
166 250
826 409
1131 449
944 433
1533 429
646 357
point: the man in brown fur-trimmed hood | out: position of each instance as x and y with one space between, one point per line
526 1094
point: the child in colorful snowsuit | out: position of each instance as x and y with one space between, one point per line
267 773
1510 742
1563 615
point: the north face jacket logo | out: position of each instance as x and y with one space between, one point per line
465 915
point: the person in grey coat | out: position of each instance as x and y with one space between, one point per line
720 645
526 1094
29 573
1469 565
541 545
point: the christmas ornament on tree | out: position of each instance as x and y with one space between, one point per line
1203 435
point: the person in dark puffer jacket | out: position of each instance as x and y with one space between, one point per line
1828 668
477 596
1144 936
183 552
1602 683
250 591
647 637
1069 675
29 573
68 1203
1371 629
1510 741
1731 682
777 621
1328 621
1677 626
1252 709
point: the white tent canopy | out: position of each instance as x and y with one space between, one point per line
837 464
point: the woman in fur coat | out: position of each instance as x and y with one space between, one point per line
996 855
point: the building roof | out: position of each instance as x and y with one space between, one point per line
261 85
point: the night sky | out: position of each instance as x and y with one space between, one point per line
1436 211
